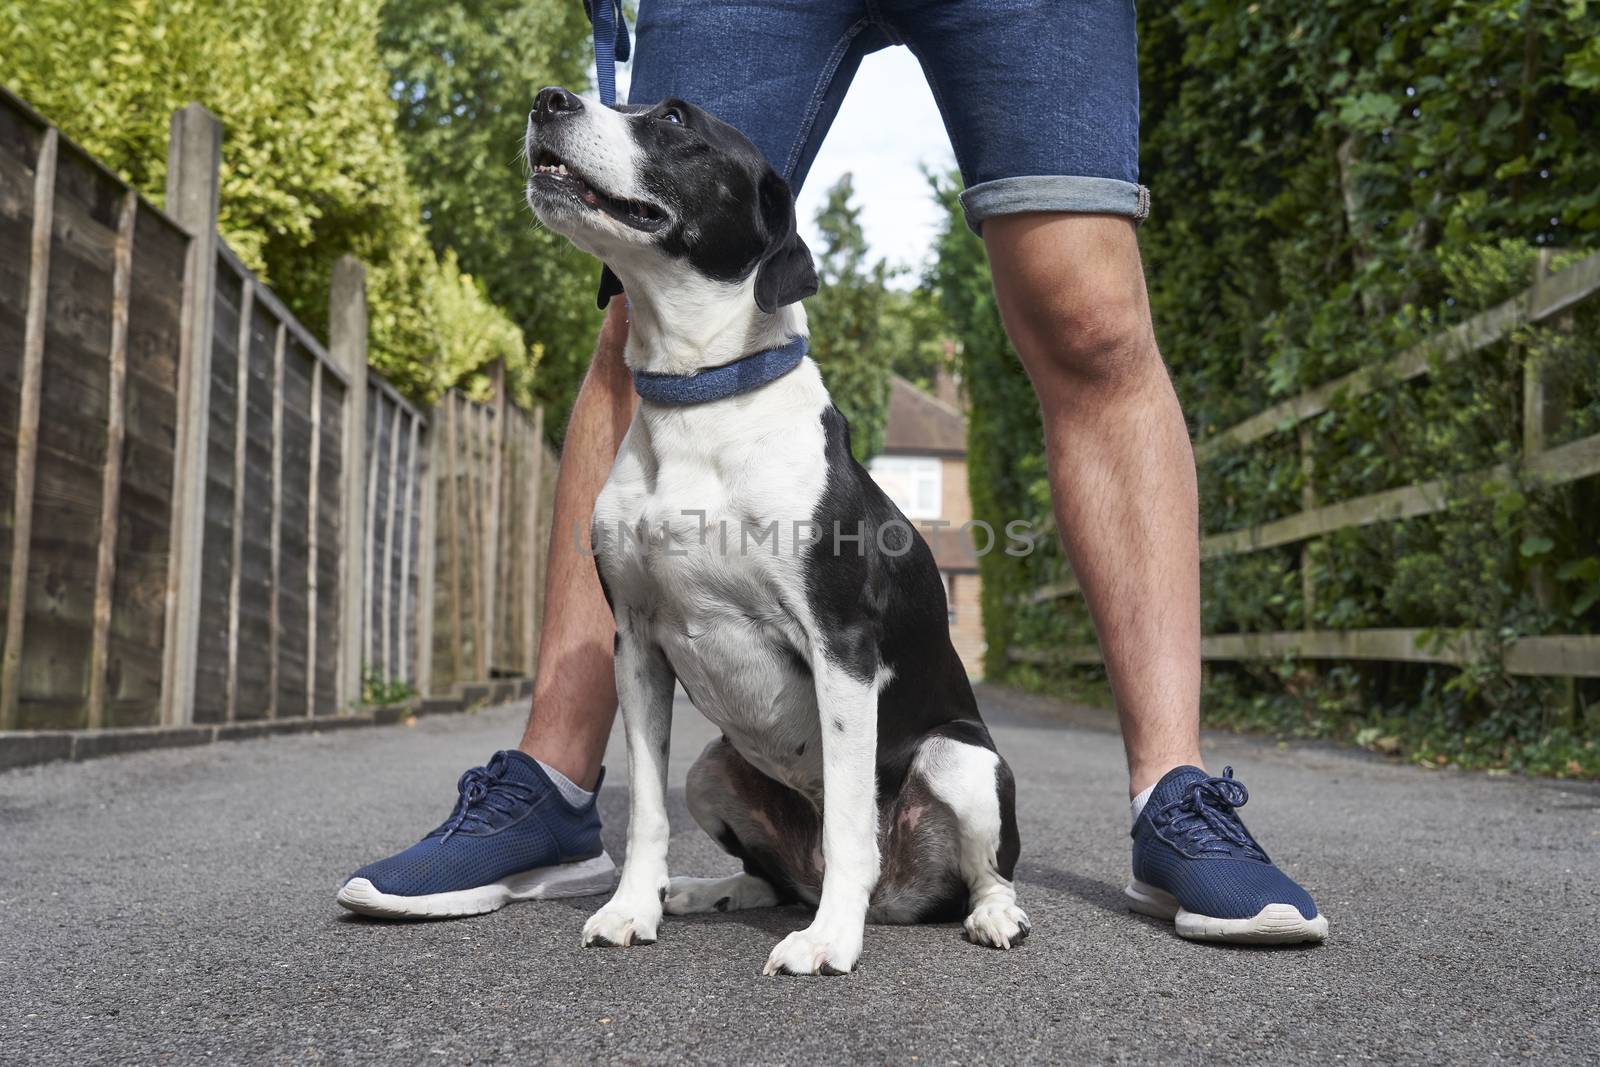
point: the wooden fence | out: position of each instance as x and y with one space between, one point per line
485 613
213 516
1575 655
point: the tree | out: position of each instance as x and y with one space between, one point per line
311 165
848 338
464 74
917 335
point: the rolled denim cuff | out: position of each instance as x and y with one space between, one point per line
1094 196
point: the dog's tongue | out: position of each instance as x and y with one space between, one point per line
589 197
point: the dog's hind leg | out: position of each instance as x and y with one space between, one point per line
690 896
976 785
772 829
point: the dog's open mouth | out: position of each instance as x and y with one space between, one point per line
638 214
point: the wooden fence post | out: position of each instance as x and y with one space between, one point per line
1543 410
1543 405
1308 502
347 344
494 448
404 614
44 198
385 573
111 473
275 566
427 553
194 153
1542 413
455 539
241 442
312 547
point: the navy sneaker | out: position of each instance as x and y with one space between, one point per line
512 836
1196 864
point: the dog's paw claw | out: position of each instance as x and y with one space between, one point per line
997 925
805 953
608 928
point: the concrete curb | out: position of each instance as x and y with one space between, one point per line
28 748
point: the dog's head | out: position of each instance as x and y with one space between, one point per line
654 191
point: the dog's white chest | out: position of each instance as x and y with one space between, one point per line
701 533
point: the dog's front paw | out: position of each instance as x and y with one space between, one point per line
997 924
815 951
618 925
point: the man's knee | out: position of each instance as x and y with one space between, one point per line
1072 294
1101 341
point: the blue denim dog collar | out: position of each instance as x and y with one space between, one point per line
719 383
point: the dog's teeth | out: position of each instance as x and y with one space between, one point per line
561 169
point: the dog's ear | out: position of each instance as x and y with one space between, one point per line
785 273
610 286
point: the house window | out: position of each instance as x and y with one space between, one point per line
914 483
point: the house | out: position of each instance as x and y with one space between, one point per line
923 469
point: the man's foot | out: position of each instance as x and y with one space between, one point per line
1196 864
512 836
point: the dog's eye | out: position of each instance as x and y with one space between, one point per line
672 115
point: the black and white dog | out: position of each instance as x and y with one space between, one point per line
854 772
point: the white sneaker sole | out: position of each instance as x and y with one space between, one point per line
583 879
1275 924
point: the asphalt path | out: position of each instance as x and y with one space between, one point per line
177 906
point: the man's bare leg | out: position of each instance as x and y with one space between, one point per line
1071 292
575 693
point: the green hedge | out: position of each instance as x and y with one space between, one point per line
1331 183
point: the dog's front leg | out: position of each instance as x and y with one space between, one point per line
848 707
644 689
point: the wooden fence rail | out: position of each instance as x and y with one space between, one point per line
1575 655
206 515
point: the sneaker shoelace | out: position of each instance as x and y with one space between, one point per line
1206 816
485 791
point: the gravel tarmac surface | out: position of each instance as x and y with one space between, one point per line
177 906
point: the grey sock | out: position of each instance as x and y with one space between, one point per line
570 791
1138 802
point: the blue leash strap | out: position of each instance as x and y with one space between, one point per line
718 383
610 44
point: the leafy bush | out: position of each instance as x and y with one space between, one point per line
311 163
379 691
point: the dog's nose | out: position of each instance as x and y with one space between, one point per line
554 101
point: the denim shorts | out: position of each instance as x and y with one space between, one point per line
1040 98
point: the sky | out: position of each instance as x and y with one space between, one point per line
886 158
